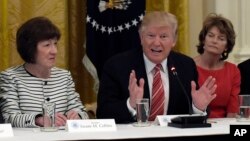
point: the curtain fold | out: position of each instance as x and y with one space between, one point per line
77 32
152 5
180 9
3 35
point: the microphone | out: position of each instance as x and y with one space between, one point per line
191 120
190 109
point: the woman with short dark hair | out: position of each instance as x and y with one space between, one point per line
24 88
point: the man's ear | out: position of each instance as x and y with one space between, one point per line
174 43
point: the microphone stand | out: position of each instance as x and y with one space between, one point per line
191 120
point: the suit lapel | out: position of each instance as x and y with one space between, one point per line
172 83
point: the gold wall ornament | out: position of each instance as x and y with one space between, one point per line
114 4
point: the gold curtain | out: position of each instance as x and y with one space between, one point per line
69 16
83 79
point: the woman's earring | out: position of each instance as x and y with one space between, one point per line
225 53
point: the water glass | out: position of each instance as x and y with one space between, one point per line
49 117
142 112
244 111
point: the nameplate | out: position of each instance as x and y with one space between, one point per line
163 120
91 125
6 130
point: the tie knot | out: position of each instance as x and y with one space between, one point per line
158 67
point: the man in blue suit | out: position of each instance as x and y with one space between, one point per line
128 76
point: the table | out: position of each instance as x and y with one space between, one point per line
219 130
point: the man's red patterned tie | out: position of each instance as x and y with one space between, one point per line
158 98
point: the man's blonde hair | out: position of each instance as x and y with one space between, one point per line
159 18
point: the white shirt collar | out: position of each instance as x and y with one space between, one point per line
150 65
